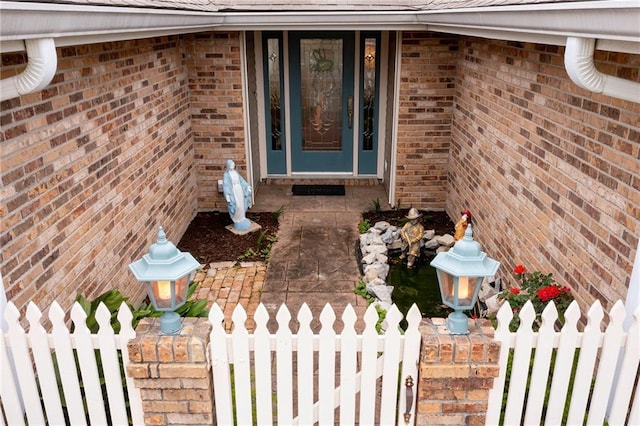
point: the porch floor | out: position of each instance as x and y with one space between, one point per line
313 261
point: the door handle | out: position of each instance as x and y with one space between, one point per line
350 111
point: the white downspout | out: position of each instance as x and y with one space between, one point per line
578 61
40 69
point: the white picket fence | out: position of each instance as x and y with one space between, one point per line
603 379
29 383
368 368
303 378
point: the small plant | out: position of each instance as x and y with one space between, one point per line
375 204
361 290
276 215
259 250
364 226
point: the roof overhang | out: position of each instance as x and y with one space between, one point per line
614 23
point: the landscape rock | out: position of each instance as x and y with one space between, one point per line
369 258
429 234
431 244
377 248
381 258
446 240
389 235
382 225
382 269
381 292
370 274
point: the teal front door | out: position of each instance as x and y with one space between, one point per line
322 90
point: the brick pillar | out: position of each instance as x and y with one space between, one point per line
172 374
456 373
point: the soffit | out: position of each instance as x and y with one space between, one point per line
612 22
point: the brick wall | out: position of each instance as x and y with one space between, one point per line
215 85
91 166
550 171
424 118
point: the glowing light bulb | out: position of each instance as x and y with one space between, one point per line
463 288
164 290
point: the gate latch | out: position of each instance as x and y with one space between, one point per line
409 401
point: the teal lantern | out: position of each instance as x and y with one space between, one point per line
460 274
167 273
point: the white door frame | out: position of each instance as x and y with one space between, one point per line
262 125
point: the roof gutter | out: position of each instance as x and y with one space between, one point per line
41 67
578 61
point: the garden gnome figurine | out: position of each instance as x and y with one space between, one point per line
237 193
461 226
411 234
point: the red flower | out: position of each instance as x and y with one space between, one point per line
519 270
515 290
549 292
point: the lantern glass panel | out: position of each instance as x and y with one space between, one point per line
466 290
182 286
446 287
162 293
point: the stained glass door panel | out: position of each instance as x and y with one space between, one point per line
321 68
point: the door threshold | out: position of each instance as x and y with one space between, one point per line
322 180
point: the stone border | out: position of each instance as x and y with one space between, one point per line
374 247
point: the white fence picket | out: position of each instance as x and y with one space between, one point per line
628 374
125 318
611 344
326 366
9 395
220 364
8 389
284 367
502 335
392 357
412 339
369 374
584 371
521 362
88 369
69 375
44 365
241 366
305 366
111 366
564 357
348 367
262 371
541 366
26 376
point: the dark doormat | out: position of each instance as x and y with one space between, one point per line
317 190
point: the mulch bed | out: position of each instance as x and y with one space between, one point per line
209 241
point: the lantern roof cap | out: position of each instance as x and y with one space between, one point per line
466 258
163 262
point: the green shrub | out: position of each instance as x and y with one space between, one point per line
364 226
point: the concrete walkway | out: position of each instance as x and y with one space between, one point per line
312 262
314 259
